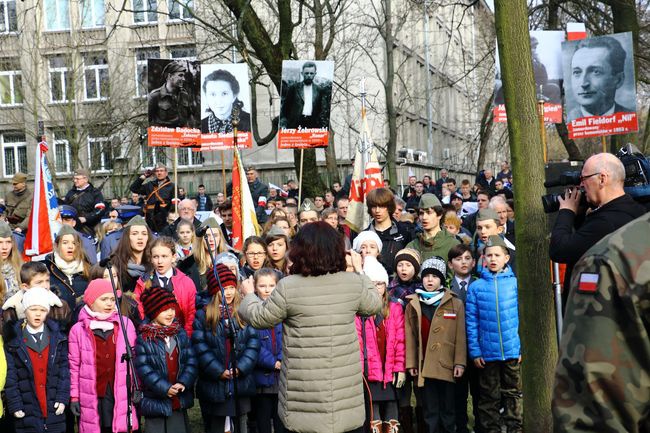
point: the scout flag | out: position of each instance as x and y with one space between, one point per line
244 219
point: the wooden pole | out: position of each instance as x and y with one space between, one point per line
603 141
175 164
302 154
223 173
542 128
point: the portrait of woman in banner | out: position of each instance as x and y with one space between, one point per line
221 95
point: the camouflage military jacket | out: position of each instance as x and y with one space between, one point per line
602 380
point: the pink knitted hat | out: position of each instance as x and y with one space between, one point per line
97 288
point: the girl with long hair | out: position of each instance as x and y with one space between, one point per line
10 263
277 245
131 257
254 256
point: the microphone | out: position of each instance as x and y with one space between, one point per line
201 231
106 260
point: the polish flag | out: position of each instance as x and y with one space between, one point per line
282 192
576 31
588 283
45 220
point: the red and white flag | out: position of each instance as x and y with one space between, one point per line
244 219
45 221
588 283
576 31
282 192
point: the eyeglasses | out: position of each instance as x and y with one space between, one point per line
583 178
258 254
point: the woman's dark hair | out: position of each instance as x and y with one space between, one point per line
123 252
223 75
381 197
316 250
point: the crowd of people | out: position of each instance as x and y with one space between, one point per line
310 327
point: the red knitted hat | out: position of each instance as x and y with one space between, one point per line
155 300
226 277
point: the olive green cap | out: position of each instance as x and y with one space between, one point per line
487 214
429 201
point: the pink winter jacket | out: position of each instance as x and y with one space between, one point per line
81 346
395 345
185 293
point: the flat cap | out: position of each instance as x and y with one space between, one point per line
19 178
82 172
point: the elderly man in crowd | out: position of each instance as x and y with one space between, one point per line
19 203
84 197
187 212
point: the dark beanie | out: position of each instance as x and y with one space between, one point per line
410 255
155 300
226 277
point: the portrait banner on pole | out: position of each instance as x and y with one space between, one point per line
600 89
305 97
174 106
225 92
546 47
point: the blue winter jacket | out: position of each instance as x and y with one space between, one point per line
210 350
265 372
20 389
151 367
492 317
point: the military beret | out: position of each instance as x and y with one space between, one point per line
68 211
19 178
173 67
487 214
428 201
66 230
82 172
137 221
306 206
495 241
5 230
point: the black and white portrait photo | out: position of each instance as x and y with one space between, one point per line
225 91
306 92
599 76
174 100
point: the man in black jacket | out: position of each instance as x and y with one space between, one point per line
84 197
158 194
602 179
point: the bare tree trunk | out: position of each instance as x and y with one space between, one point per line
391 112
487 120
571 147
536 307
330 161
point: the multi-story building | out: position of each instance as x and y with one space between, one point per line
79 66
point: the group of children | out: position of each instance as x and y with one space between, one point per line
65 363
450 332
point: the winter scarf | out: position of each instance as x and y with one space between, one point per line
99 321
68 268
151 331
134 270
430 298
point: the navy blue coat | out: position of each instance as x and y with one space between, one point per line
20 389
210 350
265 372
60 284
151 366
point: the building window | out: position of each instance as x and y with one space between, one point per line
100 153
188 158
95 77
180 10
145 11
150 156
141 56
57 15
61 85
11 83
14 149
185 52
92 13
8 20
62 154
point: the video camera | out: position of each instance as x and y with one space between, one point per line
637 179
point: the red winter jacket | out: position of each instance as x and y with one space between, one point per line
395 345
185 293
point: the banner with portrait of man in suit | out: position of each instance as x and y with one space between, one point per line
225 100
599 86
306 94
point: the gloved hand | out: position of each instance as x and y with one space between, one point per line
60 407
19 414
75 408
399 379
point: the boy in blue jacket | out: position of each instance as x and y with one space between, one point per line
492 323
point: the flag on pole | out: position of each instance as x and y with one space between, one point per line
576 31
45 220
244 219
282 192
366 175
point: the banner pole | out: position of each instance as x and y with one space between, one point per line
302 154
175 179
223 173
542 127
603 142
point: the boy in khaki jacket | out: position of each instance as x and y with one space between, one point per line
436 349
